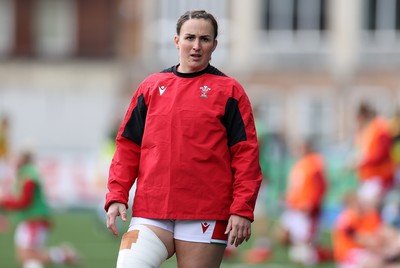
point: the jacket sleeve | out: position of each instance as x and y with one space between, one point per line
243 144
125 163
22 201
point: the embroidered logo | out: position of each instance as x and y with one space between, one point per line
204 90
204 226
162 89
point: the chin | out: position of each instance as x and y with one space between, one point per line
198 66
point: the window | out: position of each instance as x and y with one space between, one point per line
96 19
292 15
312 114
293 25
23 35
280 15
381 24
271 113
6 27
55 27
382 15
58 28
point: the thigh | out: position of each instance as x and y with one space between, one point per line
30 235
162 228
200 243
198 255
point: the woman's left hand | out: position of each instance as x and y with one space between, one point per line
239 229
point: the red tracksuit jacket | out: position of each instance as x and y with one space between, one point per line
190 141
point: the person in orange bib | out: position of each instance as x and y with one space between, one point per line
304 197
374 164
361 239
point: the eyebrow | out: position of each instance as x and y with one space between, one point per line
190 34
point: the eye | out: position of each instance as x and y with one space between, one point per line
189 37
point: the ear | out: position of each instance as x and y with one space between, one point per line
176 41
215 44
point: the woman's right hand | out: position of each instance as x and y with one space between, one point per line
115 210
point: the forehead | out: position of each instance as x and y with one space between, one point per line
197 26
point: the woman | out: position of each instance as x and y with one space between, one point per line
32 213
189 139
306 188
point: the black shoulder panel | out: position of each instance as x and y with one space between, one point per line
134 128
233 122
212 70
168 70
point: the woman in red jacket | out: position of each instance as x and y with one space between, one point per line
189 142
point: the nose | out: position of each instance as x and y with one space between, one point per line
196 44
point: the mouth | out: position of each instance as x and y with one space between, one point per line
195 56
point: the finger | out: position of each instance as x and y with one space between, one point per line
245 234
114 229
239 237
228 227
233 236
238 242
111 224
107 222
248 234
123 214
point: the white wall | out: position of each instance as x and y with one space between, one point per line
59 108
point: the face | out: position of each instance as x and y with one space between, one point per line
195 43
362 121
300 149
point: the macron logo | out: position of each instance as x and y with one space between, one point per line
162 89
204 226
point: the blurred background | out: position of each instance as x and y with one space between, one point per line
68 69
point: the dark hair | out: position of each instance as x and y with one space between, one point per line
365 110
197 14
26 158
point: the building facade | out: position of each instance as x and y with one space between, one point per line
306 64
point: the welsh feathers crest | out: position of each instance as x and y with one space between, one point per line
204 90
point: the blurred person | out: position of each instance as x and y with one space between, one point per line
4 155
361 239
391 201
31 211
395 148
189 139
4 138
306 187
373 144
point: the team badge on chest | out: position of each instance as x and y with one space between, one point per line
204 90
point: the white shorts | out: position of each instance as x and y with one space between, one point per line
298 224
371 190
189 230
354 259
31 235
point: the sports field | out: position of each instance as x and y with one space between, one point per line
99 248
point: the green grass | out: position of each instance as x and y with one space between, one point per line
99 248
81 229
